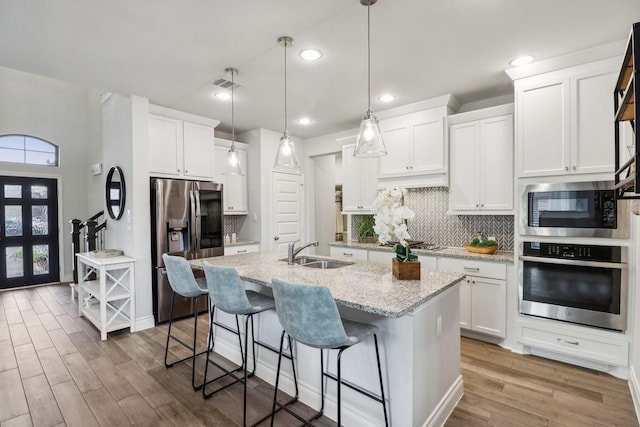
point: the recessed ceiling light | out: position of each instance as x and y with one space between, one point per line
310 54
386 98
521 60
225 96
304 121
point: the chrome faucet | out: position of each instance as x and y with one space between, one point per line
291 252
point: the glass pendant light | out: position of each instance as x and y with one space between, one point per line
233 166
286 155
369 142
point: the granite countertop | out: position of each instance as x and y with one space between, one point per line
505 257
364 286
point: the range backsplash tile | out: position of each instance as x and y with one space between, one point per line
432 224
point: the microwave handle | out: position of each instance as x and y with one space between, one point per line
564 261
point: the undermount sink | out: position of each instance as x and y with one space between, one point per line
324 264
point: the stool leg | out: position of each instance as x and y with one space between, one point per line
384 403
239 339
246 363
322 381
166 349
195 336
293 367
339 384
275 392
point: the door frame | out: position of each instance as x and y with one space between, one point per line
64 276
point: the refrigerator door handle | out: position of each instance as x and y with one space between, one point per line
195 221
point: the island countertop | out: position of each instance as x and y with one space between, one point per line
365 286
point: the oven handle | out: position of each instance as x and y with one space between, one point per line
617 265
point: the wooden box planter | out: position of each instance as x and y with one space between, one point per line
405 270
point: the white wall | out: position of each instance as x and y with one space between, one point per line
125 132
66 115
634 315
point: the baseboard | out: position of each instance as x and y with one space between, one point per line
446 405
142 323
634 388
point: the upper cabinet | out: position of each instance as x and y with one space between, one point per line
416 141
564 121
234 188
481 156
360 186
181 145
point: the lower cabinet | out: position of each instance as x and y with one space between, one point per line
349 254
483 294
241 249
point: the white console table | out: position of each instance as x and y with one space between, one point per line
108 302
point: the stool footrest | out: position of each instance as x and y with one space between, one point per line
354 387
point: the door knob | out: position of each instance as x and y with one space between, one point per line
276 238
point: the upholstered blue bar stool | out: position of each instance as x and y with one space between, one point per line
310 316
228 293
184 283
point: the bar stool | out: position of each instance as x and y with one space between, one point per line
184 283
310 316
227 293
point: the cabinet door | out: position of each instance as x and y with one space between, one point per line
463 182
428 148
495 170
592 132
396 134
165 145
349 254
465 303
368 182
488 305
235 188
198 150
543 126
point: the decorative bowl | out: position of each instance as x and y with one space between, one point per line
480 249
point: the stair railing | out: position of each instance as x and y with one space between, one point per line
93 238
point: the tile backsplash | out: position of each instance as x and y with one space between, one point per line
432 224
230 224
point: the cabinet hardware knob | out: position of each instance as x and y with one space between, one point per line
573 167
482 205
560 340
242 251
476 269
347 254
566 168
476 205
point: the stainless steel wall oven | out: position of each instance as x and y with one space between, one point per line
574 209
584 284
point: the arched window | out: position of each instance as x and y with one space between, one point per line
28 150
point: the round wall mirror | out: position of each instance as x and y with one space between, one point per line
115 192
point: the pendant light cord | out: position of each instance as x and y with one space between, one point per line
369 53
233 127
286 132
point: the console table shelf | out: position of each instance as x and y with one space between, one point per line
107 302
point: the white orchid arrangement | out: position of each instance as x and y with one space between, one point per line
390 215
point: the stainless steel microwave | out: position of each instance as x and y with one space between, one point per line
574 209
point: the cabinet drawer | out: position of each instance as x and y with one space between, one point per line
243 249
492 270
592 348
349 254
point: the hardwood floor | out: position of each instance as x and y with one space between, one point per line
54 370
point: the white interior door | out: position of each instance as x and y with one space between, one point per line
287 210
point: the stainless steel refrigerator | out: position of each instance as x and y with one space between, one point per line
187 221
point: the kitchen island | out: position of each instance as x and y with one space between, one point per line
418 325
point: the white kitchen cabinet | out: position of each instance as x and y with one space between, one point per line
349 254
415 144
481 153
181 145
107 301
241 249
483 294
234 187
564 121
360 183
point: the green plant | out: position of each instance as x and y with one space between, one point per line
366 227
483 243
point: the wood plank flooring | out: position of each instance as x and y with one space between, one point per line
54 370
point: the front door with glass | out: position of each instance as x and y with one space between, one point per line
29 253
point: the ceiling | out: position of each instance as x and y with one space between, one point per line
171 51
